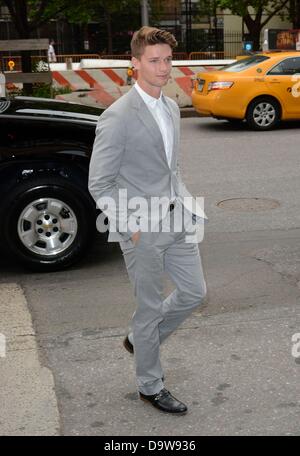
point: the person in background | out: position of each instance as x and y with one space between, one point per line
51 53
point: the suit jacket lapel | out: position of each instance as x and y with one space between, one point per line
175 130
146 117
149 122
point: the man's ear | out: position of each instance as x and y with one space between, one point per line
135 63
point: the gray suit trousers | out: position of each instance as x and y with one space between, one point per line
156 318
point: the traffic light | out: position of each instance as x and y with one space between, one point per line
129 72
248 46
11 65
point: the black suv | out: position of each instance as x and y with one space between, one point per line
47 216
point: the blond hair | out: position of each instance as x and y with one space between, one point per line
148 36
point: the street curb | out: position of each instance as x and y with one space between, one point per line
27 395
189 112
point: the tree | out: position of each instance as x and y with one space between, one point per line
295 13
252 12
28 15
208 8
112 10
107 12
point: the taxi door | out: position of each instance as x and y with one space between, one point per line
283 81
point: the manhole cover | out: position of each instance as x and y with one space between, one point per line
248 204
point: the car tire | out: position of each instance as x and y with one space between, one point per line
263 114
48 223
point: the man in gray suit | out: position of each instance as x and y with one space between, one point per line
134 162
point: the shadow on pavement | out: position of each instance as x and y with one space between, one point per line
100 252
215 125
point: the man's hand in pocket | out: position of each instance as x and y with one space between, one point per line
136 237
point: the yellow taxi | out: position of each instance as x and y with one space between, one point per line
262 89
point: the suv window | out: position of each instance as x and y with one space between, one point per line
246 63
287 67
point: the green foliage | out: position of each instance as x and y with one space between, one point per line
206 7
256 13
116 17
242 7
41 91
47 91
80 11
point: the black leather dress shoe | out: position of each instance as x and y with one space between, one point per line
128 345
165 402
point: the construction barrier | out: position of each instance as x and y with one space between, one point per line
100 82
102 86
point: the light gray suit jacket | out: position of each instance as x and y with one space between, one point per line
129 154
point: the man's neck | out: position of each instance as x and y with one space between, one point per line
154 92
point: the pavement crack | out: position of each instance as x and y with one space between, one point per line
238 277
292 280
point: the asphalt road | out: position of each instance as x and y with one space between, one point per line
231 361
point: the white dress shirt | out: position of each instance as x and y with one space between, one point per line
163 118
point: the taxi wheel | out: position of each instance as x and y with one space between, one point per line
263 114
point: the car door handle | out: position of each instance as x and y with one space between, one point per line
275 81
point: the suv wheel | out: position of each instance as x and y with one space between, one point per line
49 223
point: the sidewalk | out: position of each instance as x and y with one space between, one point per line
27 396
82 97
232 363
235 371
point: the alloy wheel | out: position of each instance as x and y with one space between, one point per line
47 226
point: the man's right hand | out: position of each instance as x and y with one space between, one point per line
135 237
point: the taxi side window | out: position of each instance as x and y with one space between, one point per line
287 67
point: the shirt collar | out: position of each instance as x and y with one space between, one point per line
148 99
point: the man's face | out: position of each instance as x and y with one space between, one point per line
154 66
